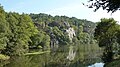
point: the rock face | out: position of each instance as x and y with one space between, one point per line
71 33
54 42
67 24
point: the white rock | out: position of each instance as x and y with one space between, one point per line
71 33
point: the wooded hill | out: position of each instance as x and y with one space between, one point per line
21 32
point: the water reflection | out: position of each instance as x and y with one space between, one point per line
65 56
97 65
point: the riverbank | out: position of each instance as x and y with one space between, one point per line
34 53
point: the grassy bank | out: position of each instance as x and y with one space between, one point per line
34 53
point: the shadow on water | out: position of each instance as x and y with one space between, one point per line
65 56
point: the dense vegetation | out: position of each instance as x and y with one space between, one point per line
19 33
15 32
56 28
107 33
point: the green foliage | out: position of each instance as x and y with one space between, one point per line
63 39
3 29
15 32
106 33
56 27
40 39
21 28
84 38
4 57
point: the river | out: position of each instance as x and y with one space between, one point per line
67 56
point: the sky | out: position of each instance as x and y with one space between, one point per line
70 8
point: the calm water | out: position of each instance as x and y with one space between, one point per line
67 56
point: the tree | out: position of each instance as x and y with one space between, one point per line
12 33
3 29
106 35
20 28
59 35
109 5
26 29
41 39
